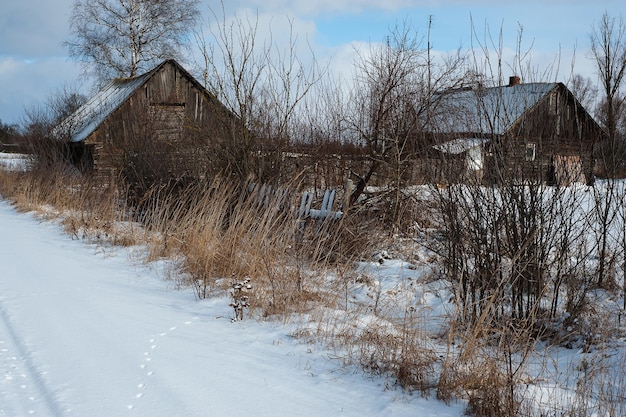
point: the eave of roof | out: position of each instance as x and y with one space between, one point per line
485 110
460 145
84 121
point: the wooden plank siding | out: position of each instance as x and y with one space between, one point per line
172 119
552 143
559 129
170 115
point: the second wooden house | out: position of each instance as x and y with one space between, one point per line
535 132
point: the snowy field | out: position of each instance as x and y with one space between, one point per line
85 331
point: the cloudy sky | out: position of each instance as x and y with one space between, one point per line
34 63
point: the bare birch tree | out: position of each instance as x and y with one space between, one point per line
121 38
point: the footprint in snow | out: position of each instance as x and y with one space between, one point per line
147 358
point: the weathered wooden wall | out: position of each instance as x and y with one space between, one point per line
170 116
560 130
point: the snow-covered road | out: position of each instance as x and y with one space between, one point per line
85 332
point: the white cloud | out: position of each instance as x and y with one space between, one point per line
33 61
317 7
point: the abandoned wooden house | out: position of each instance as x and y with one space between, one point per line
165 117
525 132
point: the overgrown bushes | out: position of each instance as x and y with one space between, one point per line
497 241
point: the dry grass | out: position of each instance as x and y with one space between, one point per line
484 379
90 211
223 235
217 233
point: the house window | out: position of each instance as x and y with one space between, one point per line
531 151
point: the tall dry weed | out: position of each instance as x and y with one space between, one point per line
88 209
224 231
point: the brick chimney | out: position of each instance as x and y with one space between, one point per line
514 80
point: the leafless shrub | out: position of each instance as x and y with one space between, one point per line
262 85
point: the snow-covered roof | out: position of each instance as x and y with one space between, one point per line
460 145
485 110
84 121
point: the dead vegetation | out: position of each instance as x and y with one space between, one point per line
220 234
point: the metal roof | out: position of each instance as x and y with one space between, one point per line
485 110
84 121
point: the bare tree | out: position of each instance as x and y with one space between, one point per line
41 119
608 47
383 75
40 122
120 38
386 78
584 90
394 89
262 83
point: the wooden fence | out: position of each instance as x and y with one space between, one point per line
264 195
